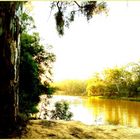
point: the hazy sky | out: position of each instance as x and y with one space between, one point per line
104 42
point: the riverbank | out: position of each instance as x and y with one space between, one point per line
137 99
41 129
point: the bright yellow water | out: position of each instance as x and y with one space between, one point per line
104 111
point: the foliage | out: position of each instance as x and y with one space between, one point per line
27 22
95 86
29 91
61 111
66 11
36 62
118 81
71 87
112 82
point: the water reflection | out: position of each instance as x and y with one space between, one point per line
115 111
103 111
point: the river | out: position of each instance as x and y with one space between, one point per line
97 111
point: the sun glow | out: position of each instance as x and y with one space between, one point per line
104 42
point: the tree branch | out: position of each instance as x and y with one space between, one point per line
78 4
58 6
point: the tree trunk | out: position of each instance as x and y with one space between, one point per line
9 66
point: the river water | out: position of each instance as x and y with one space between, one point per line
97 111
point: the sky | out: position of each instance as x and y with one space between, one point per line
89 47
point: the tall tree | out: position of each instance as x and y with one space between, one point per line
9 64
9 51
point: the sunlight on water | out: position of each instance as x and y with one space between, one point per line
80 114
102 111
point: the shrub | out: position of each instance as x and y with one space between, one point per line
62 111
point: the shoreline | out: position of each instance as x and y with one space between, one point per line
60 129
135 99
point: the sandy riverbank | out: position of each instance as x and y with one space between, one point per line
77 130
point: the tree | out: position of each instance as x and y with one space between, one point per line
71 87
9 53
95 86
117 81
9 64
34 58
133 86
114 78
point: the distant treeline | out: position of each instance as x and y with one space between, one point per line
117 81
71 87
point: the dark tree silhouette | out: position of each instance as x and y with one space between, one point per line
9 64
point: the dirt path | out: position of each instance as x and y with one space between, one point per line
76 130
